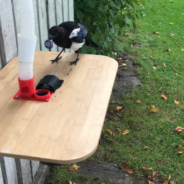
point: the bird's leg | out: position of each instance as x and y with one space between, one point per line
77 59
57 58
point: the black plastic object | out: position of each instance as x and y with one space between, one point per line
49 82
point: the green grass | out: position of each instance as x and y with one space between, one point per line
154 130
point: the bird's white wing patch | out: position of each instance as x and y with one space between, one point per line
74 33
76 46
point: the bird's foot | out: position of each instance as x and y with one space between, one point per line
74 62
56 60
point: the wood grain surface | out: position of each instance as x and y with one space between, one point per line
68 127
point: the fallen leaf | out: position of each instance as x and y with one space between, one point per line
148 94
171 23
69 182
163 95
179 152
164 65
146 147
160 89
149 182
171 35
156 32
118 129
167 182
153 175
153 138
124 168
123 65
118 59
109 131
182 49
154 67
118 108
147 169
132 45
178 129
179 145
126 132
153 109
73 168
138 101
173 69
176 101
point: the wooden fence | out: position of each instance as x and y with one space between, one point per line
47 14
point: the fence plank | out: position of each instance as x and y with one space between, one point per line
11 172
7 32
71 10
52 17
42 19
26 171
1 176
35 165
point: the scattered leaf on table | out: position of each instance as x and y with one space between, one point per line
118 108
178 129
176 101
69 182
73 168
164 65
153 109
171 23
126 132
179 152
153 175
146 147
154 67
160 89
109 131
124 168
149 182
171 35
147 169
167 182
163 95
138 101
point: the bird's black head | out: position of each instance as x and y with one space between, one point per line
54 32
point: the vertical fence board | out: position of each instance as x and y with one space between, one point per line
42 17
1 176
52 17
71 10
11 172
26 171
34 165
7 32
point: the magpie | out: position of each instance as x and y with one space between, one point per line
70 35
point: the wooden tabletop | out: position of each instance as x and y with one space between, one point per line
66 129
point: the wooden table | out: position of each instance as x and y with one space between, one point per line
68 127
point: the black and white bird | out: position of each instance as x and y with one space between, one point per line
69 35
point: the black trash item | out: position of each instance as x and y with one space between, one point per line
49 82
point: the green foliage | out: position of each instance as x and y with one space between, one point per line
105 20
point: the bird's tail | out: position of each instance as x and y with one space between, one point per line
89 42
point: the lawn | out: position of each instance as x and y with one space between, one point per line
152 142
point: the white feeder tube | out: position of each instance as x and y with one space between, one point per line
26 40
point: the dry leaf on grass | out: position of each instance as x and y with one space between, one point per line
153 175
138 101
160 89
69 182
163 95
167 182
174 69
124 168
156 32
126 132
179 152
154 67
153 109
73 168
109 131
171 35
176 101
149 182
179 145
147 169
118 108
118 129
118 59
178 129
164 65
171 23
